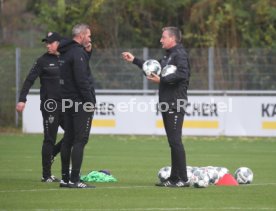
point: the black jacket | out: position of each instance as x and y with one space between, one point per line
173 87
76 79
47 69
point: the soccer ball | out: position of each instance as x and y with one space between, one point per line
202 183
222 171
244 175
151 66
212 174
168 69
164 173
200 179
189 172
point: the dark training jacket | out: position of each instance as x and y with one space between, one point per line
47 69
76 79
173 87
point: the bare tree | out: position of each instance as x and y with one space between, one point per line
1 18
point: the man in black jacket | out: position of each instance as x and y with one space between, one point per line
79 99
172 97
47 69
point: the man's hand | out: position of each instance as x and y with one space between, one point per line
88 47
154 78
20 106
128 56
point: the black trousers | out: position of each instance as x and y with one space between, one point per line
77 130
51 122
173 122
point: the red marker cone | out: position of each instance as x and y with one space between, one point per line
227 180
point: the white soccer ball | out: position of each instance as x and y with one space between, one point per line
195 168
212 174
189 168
164 173
201 179
168 69
202 183
151 66
189 172
193 180
221 171
244 175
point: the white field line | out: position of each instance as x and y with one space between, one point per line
111 187
161 209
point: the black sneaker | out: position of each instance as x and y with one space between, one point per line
79 185
171 184
166 183
50 179
63 184
182 184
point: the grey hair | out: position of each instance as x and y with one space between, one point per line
175 32
79 28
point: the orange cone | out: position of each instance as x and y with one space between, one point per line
227 180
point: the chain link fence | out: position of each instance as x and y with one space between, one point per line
211 69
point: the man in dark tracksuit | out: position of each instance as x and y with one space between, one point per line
77 91
47 69
172 98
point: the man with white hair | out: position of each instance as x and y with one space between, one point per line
77 88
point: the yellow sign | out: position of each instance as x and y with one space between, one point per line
195 124
104 123
269 125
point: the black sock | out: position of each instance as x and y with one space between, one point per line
65 177
75 176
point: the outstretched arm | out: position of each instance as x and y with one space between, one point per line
131 58
128 56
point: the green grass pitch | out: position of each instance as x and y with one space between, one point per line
135 161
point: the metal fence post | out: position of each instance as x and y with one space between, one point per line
211 68
17 79
145 57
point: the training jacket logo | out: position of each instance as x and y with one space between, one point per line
51 119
